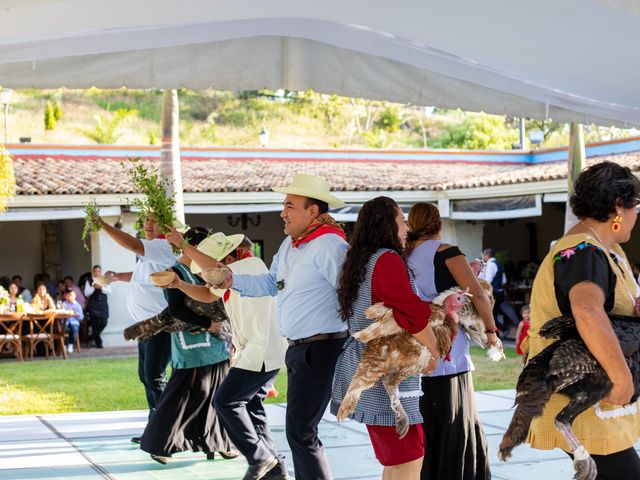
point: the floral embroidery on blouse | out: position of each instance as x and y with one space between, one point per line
567 253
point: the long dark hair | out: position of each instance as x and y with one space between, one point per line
375 228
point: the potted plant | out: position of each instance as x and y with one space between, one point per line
529 272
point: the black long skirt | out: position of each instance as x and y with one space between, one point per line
456 444
185 418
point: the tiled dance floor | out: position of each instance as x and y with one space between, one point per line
83 446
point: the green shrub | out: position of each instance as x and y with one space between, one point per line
57 111
208 134
477 132
148 104
108 125
377 139
238 117
390 119
153 138
49 116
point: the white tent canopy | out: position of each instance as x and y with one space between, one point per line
562 59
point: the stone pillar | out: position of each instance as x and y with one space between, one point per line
110 256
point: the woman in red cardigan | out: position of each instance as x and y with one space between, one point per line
375 271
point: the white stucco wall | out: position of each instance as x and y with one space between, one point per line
20 250
110 256
466 235
74 258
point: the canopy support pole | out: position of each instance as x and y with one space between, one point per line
576 162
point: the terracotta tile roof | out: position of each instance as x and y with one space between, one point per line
77 175
540 172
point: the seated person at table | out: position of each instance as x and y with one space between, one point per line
23 291
73 323
60 288
42 300
13 295
68 283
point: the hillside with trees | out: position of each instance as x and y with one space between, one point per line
293 120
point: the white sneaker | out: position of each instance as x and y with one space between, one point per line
70 348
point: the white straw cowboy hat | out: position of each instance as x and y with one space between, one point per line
217 246
311 186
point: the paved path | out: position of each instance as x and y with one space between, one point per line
83 446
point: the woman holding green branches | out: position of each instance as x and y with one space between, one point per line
145 301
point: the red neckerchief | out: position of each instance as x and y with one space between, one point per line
243 253
322 225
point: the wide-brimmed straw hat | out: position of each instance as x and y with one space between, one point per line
218 246
311 186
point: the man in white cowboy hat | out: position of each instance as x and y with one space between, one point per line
260 351
304 276
145 300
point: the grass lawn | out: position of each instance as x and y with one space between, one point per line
103 384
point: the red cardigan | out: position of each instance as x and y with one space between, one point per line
390 284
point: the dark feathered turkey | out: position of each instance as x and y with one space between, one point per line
164 322
567 367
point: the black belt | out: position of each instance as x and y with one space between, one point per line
318 337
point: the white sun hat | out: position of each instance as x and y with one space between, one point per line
311 186
217 246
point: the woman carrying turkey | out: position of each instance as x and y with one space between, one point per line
586 273
374 271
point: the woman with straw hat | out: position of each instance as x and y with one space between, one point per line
259 356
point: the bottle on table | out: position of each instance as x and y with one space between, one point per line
19 304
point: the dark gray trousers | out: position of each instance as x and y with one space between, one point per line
238 402
310 369
154 354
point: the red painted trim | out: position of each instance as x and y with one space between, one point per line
18 146
33 157
28 146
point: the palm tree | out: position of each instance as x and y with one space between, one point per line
170 152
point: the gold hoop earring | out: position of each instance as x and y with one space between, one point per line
616 225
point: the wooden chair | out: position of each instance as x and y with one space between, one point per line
41 330
60 334
11 333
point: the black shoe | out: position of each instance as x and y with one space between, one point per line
136 439
276 475
260 469
279 472
159 459
211 455
281 475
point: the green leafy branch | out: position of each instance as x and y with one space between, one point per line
91 221
156 202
